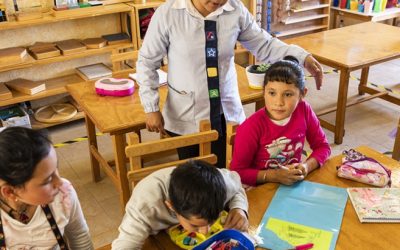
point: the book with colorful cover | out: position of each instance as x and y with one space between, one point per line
303 213
376 204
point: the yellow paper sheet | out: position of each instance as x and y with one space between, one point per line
296 234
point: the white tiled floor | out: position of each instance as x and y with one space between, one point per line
368 123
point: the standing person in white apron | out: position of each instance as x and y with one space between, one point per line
199 37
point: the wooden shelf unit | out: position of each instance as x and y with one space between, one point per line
64 15
305 16
137 8
312 7
301 30
303 19
387 14
56 86
29 61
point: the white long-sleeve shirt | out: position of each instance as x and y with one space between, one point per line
146 213
177 30
38 235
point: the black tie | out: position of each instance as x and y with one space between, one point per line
210 28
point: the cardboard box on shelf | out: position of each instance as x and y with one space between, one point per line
14 116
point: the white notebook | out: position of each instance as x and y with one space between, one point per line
94 71
376 204
162 77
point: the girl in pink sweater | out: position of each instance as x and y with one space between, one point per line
268 145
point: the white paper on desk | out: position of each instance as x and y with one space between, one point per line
162 77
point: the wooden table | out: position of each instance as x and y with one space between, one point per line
351 48
353 234
119 115
390 13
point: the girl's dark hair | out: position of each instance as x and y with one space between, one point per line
197 189
287 70
21 149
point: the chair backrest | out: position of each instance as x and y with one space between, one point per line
230 141
137 151
119 62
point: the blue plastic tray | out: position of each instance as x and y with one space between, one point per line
245 243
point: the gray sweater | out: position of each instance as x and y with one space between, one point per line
146 213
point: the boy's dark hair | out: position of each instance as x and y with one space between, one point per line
288 70
21 149
198 189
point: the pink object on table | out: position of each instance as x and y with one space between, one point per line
304 246
114 87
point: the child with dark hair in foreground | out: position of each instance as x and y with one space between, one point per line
269 144
192 194
38 208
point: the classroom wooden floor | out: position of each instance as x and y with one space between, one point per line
369 123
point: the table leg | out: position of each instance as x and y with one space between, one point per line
92 141
119 143
341 105
363 80
396 148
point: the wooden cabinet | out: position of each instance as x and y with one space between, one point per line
139 9
297 17
56 85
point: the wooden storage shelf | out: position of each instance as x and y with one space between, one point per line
315 7
301 30
29 61
41 125
57 85
67 15
304 19
54 86
305 16
137 7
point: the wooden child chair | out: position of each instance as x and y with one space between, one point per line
137 151
230 141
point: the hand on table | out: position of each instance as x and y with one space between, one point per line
288 175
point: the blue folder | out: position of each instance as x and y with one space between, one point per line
308 204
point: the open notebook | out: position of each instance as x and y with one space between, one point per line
376 204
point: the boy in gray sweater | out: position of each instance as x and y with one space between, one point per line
192 194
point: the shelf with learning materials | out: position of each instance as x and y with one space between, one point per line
63 15
55 84
29 61
387 14
298 17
